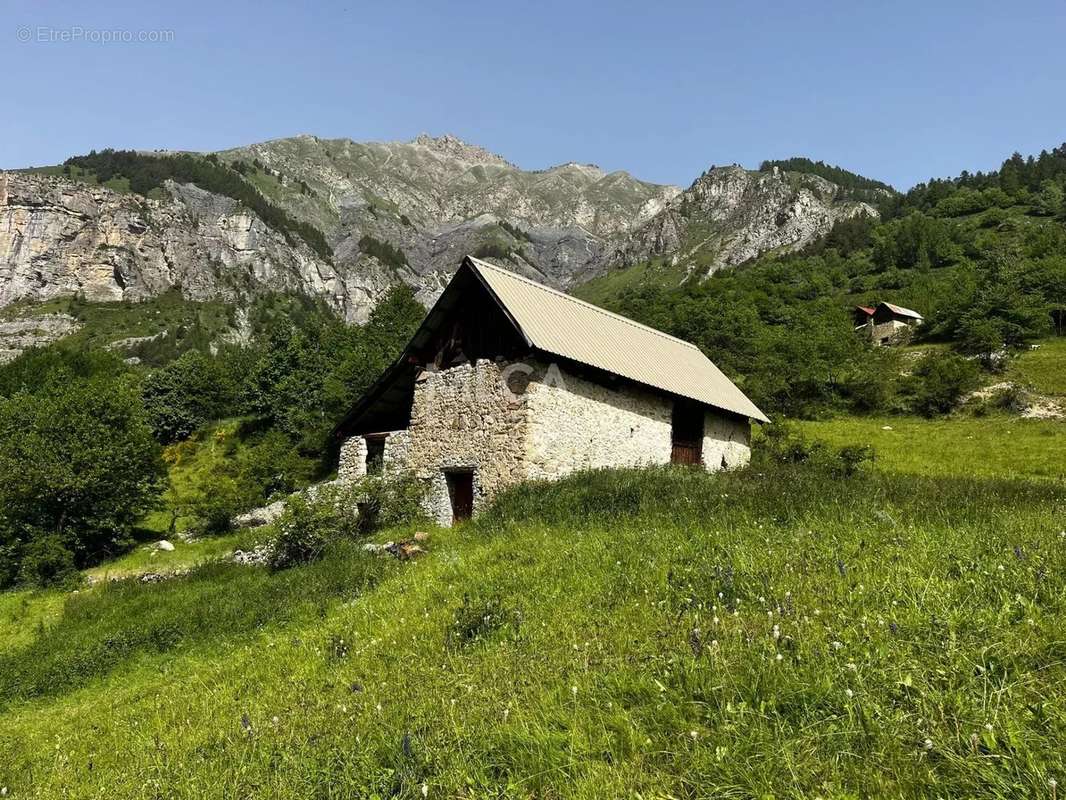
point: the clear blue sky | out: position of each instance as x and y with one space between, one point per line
899 91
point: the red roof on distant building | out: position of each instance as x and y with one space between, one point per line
867 309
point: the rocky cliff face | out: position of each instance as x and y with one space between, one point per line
60 237
730 215
432 199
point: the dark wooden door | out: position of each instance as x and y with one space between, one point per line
685 453
461 489
686 433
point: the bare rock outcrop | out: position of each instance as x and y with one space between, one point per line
731 215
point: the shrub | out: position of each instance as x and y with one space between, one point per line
313 521
938 382
47 562
784 444
306 528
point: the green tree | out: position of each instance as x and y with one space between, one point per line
1049 201
938 382
185 395
78 463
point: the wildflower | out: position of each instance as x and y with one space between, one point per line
852 667
694 734
776 632
837 645
573 691
275 720
988 726
779 657
928 744
3 790
849 693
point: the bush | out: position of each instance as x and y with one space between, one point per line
47 562
938 382
784 444
313 521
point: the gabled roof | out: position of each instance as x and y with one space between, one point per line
868 310
556 323
903 312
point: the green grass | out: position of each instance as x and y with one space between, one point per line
992 446
147 558
654 634
1042 370
607 287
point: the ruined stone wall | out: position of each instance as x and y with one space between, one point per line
351 466
463 419
726 441
576 424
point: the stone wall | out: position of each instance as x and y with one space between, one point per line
463 419
576 424
509 423
726 441
351 466
892 332
397 452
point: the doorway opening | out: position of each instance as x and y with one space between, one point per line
686 433
461 493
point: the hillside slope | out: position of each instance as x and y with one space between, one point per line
765 633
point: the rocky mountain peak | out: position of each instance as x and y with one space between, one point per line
730 215
451 146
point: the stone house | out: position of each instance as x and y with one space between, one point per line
886 323
508 380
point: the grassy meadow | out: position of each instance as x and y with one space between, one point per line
997 445
775 632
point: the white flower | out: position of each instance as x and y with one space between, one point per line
837 645
853 668
849 693
776 632
573 691
780 657
425 789
928 744
694 734
1050 782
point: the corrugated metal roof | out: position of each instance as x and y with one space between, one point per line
906 312
562 325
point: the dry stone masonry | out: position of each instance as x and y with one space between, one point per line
509 422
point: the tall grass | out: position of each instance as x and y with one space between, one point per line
775 632
103 629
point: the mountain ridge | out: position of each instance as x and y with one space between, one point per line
381 212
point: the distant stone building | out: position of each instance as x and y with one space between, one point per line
507 380
886 323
